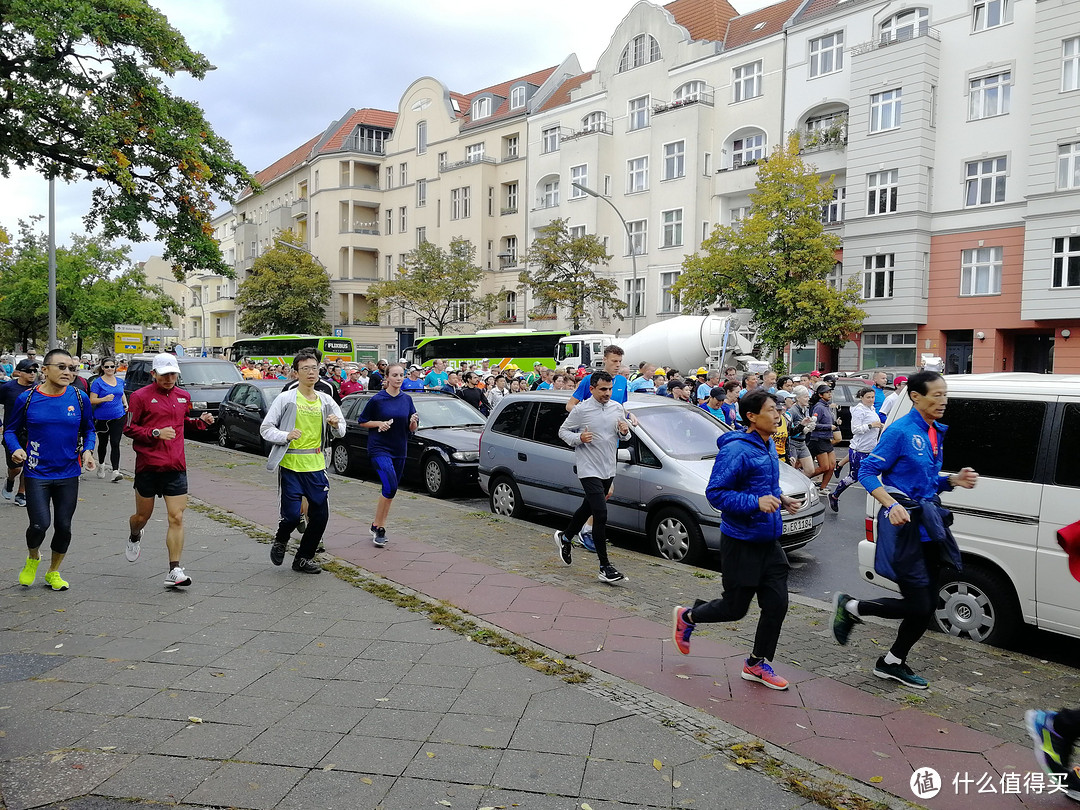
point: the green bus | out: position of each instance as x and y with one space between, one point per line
281 349
520 347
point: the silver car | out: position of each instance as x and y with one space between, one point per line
660 480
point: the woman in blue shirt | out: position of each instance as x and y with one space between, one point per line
110 412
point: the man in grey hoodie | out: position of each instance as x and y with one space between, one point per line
594 428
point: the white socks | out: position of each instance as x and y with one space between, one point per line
852 607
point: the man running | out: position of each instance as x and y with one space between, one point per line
745 487
25 375
157 415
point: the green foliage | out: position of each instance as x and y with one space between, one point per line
564 273
286 293
775 261
434 283
83 99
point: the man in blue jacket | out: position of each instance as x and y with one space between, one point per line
745 487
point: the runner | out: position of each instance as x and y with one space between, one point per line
50 432
865 430
110 411
157 415
903 474
820 439
25 375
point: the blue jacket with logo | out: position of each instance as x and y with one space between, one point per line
746 468
904 461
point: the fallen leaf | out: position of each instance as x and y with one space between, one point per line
320 644
586 806
77 766
430 754
676 783
56 758
684 677
108 748
943 731
443 802
58 646
194 719
366 780
308 612
599 647
800 725
174 649
883 756
658 764
3 733
876 779
745 761
59 610
253 785
218 674
382 700
329 767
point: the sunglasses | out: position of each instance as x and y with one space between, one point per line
108 366
63 366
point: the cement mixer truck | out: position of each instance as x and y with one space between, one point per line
685 342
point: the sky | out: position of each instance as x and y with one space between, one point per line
286 70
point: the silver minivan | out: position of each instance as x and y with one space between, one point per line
660 480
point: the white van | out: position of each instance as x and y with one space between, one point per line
1021 433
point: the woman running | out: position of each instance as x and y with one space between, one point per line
110 412
389 416
802 424
820 441
865 431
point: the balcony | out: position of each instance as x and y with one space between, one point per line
508 211
300 208
367 146
460 164
700 98
594 129
885 40
821 139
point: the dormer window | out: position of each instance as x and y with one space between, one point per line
905 25
641 50
481 108
517 98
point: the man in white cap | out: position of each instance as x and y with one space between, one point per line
157 415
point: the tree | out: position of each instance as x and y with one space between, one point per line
775 260
84 99
287 292
438 286
565 273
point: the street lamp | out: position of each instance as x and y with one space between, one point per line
202 306
283 243
633 249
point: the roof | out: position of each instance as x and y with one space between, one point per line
815 7
745 29
284 164
365 117
502 90
562 94
704 19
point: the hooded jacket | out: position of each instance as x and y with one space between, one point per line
281 419
746 468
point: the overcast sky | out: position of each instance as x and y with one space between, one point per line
286 70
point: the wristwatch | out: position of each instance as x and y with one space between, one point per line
155 433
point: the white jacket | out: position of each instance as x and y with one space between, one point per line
281 419
863 437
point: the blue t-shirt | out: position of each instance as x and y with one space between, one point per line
412 385
381 408
436 379
52 432
618 389
9 392
543 386
113 409
642 385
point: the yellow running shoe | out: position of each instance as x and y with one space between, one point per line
29 572
53 580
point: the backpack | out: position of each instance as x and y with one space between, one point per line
23 433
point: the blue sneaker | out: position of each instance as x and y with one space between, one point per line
1051 749
584 539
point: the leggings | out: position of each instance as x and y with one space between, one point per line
855 460
915 608
109 432
389 469
595 504
62 494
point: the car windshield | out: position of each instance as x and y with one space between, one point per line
446 412
209 374
685 433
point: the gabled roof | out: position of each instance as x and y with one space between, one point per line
284 164
815 7
502 91
745 29
704 19
562 94
365 117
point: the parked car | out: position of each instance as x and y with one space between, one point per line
242 411
660 480
442 451
206 379
844 399
1021 433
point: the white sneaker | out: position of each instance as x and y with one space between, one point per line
177 578
117 476
101 471
133 548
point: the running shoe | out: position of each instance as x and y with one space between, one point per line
899 672
177 578
117 476
1072 784
134 546
610 575
29 572
277 553
20 500
843 619
834 502
378 536
306 566
563 545
55 581
302 525
681 629
9 490
1051 750
762 673
584 539
101 471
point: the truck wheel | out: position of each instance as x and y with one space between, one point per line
978 603
677 536
505 498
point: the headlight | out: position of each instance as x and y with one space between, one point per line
199 406
813 497
465 456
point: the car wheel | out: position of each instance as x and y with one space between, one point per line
342 459
223 437
505 498
977 603
436 477
677 536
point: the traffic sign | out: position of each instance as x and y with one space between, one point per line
339 333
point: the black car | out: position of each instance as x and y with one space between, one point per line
242 411
206 379
844 399
443 451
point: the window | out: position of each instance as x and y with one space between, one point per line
748 150
389 266
1069 165
669 301
641 50
905 25
691 91
474 152
509 312
638 113
975 437
885 110
404 174
510 146
510 246
1070 64
986 181
576 231
980 271
881 191
442 159
835 278
827 54
738 214
672 231
832 212
549 193
421 193
1066 262
580 176
594 122
747 81
635 296
511 197
637 237
403 216
549 140
389 176
459 310
888 349
460 203
989 96
549 418
481 108
389 221
1068 461
674 160
637 174
878 276
511 419
991 14
517 98
421 137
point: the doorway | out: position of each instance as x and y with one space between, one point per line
1033 353
958 351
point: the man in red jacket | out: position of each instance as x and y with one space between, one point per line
157 414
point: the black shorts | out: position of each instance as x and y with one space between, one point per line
12 463
820 447
162 484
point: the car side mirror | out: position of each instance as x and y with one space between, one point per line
623 455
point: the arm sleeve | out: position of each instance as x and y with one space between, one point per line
86 426
569 429
134 429
335 409
724 490
189 421
15 415
881 459
859 425
269 428
369 414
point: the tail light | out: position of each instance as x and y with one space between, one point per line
870 530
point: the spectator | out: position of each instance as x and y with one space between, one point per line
352 382
643 383
437 377
413 381
713 403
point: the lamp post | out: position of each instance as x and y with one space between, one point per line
633 249
202 306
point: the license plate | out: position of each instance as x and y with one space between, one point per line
802 524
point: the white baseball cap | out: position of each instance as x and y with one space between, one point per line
166 364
